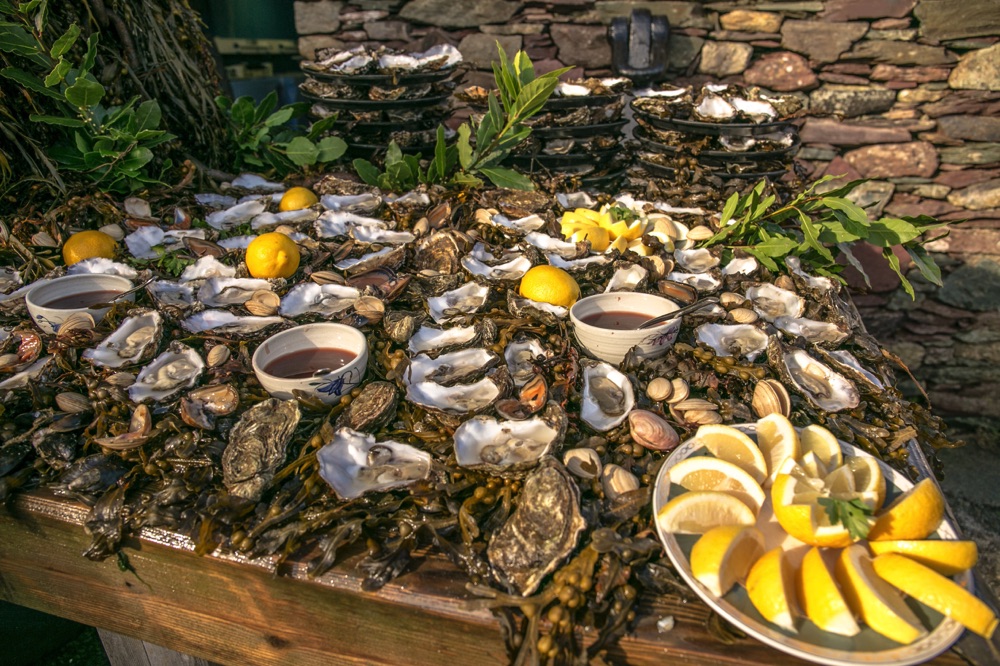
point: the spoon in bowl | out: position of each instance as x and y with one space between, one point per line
687 309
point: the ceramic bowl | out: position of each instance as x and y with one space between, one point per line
48 314
328 387
611 345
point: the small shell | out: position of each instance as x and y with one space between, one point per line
700 233
72 402
785 282
771 397
78 321
681 391
263 303
121 379
421 227
702 417
326 277
660 266
616 481
113 230
651 431
743 315
659 389
730 299
218 355
583 462
371 308
44 239
695 403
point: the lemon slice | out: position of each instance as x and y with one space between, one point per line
620 243
707 473
868 478
821 599
796 507
873 600
945 557
820 442
778 441
813 466
733 446
699 511
913 515
771 588
841 484
934 590
724 555
598 237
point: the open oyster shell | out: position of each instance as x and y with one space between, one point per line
224 321
354 464
607 395
174 370
822 386
325 299
507 447
457 367
733 339
772 302
133 342
223 291
458 302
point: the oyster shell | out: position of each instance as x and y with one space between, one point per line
772 302
373 408
174 370
741 266
505 447
733 339
546 313
220 292
373 234
821 386
520 226
816 332
153 242
257 447
457 367
549 245
104 267
520 357
326 299
461 398
387 256
697 260
224 321
441 252
207 267
461 301
351 203
134 341
428 338
171 295
714 109
511 270
583 462
701 281
627 278
353 463
543 530
226 219
607 395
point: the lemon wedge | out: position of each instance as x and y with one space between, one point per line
699 511
820 597
707 473
733 446
913 515
771 588
945 557
778 441
724 555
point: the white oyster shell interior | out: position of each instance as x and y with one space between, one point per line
236 215
607 396
224 321
207 267
520 357
521 225
230 291
814 331
130 341
772 302
171 294
696 260
428 338
449 367
354 464
461 301
741 340
174 370
700 281
627 278
484 441
104 267
326 299
459 399
153 242
510 270
827 389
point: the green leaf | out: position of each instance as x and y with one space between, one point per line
242 111
393 154
923 261
762 207
845 189
223 102
56 120
512 139
506 93
893 260
29 81
266 106
320 127
57 74
776 246
853 211
279 117
834 232
330 148
466 179
845 249
502 177
853 514
91 55
86 92
65 42
523 68
765 260
148 115
488 128
853 227
811 234
15 39
533 97
301 151
28 7
891 231
730 208
137 158
366 171
439 165
463 145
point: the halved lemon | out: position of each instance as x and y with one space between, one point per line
778 441
796 507
699 511
877 603
771 588
724 555
934 590
945 557
822 443
707 473
731 445
913 515
598 237
820 597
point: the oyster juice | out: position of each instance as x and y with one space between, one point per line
304 363
618 320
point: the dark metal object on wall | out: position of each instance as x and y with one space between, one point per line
639 46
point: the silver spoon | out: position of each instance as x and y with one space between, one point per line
697 305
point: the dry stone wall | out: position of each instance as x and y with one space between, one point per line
903 92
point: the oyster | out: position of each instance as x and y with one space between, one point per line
511 270
700 281
174 370
257 447
254 183
741 266
461 301
104 267
847 363
457 367
200 407
627 278
741 340
354 464
387 256
223 321
373 234
582 264
816 332
351 203
519 226
756 110
546 313
607 395
223 291
428 338
441 252
325 299
503 447
153 242
821 386
549 245
697 260
462 398
714 109
234 216
268 220
543 530
373 408
170 295
520 357
134 341
207 267
772 302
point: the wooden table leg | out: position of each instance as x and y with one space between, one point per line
124 650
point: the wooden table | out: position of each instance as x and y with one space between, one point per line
236 611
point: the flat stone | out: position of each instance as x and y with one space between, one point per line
978 70
839 167
386 31
363 16
309 44
312 18
971 153
480 50
822 42
912 353
850 101
816 153
931 191
682 50
546 66
746 20
353 35
891 24
872 196
883 72
828 130
845 79
909 204
974 286
947 19
472 13
812 6
901 53
732 36
971 102
916 158
972 44
972 128
680 14
858 68
893 35
920 95
981 196
583 45
766 44
900 85
848 10
514 29
724 58
541 52
784 72
977 242
966 177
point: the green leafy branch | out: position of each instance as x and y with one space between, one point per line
854 515
262 137
819 227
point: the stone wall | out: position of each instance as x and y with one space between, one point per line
904 92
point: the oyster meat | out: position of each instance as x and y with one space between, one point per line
502 447
772 302
224 321
607 395
325 299
822 386
461 301
741 340
132 342
457 367
428 338
174 370
354 464
520 356
257 447
223 291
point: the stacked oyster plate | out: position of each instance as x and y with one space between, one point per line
382 95
725 130
577 135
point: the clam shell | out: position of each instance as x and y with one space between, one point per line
121 379
681 391
217 355
699 417
700 233
583 462
72 402
78 321
659 389
743 315
651 431
616 481
771 397
326 277
113 230
695 404
730 299
263 303
44 239
371 308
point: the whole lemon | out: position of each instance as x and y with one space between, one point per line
88 245
272 255
297 198
549 284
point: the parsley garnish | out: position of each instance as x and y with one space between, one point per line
853 514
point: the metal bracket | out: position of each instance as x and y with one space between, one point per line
639 46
